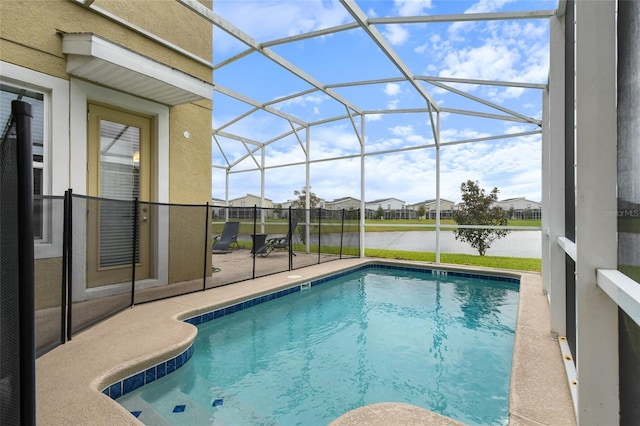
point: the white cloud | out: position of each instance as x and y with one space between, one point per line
511 165
401 130
507 51
294 18
392 89
412 7
396 34
300 101
491 61
484 6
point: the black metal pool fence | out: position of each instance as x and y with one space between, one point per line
95 257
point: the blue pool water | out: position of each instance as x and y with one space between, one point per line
443 343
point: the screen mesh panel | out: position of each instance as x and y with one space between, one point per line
9 280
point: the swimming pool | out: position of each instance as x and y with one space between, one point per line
441 342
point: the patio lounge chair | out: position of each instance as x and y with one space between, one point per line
281 243
228 238
259 245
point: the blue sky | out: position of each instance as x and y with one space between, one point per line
514 50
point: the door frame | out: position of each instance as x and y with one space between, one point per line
80 94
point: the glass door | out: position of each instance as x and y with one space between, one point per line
118 172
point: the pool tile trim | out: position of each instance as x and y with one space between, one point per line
208 316
141 378
148 375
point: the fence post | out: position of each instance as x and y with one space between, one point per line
206 247
255 214
63 284
319 232
342 232
291 231
135 246
69 298
22 112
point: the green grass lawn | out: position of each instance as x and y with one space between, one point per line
513 263
502 262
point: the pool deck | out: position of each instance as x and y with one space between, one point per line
69 379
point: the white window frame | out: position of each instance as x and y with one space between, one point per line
55 163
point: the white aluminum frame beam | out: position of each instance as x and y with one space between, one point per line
596 233
554 222
485 102
257 105
375 35
462 17
245 38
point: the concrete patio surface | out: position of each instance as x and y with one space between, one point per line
69 379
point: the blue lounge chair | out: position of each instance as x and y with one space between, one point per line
281 243
228 238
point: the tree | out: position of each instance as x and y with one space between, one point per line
300 202
277 210
380 213
477 210
422 211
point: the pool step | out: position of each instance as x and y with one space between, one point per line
172 408
145 412
218 409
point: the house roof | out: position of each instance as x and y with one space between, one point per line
339 200
380 200
247 196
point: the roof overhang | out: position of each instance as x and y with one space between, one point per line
95 59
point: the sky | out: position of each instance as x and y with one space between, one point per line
513 50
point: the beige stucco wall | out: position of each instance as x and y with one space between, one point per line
189 183
30 32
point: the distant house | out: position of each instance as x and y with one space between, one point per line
218 207
520 208
346 203
393 208
250 200
446 208
341 208
243 207
291 203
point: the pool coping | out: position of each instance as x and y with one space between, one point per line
70 379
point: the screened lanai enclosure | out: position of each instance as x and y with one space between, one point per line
388 112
